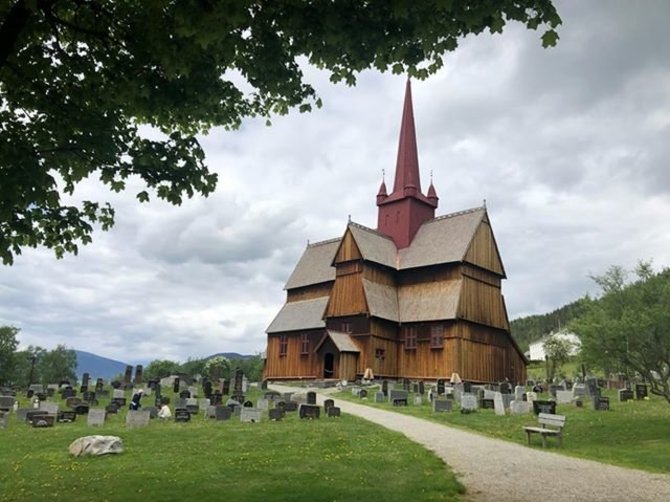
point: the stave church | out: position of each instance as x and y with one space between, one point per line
417 297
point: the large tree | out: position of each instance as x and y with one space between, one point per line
79 77
628 328
8 344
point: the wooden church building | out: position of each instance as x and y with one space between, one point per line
418 297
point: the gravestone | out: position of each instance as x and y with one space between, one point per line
489 394
96 417
193 391
137 418
112 408
544 407
379 397
276 414
333 411
498 404
71 402
519 407
532 396
440 387
66 417
43 420
422 388
118 393
207 389
99 384
309 411
68 392
222 413
7 403
264 385
180 402
415 387
519 391
442 405
327 404
468 402
185 394
418 400
385 388
237 384
250 415
3 419
182 415
405 384
625 395
592 386
579 389
22 414
81 409
395 395
640 391
311 397
291 406
245 384
564 396
203 403
119 401
488 404
601 403
128 376
153 411
138 374
225 388
49 407
262 404
217 398
153 384
116 384
175 389
210 412
85 379
363 394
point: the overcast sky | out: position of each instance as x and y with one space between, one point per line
569 146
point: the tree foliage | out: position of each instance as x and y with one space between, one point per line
557 351
79 77
628 328
8 345
58 364
161 368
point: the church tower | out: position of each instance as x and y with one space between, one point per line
401 213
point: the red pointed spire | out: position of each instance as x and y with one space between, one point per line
407 177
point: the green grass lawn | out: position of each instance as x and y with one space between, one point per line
632 434
330 459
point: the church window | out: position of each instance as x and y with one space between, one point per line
283 345
304 344
410 338
346 327
380 353
436 336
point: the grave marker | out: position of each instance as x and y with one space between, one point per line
182 415
96 417
250 415
498 404
333 411
519 407
311 397
625 395
468 402
564 396
442 405
640 391
222 413
309 411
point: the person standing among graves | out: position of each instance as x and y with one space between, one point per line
135 401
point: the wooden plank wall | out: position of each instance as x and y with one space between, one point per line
309 292
293 364
346 369
426 362
348 249
482 303
388 366
483 250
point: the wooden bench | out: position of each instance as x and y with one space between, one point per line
556 424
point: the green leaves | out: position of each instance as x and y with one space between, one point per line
77 79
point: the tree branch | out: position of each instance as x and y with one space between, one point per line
11 28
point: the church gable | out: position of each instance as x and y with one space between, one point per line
347 250
483 250
314 266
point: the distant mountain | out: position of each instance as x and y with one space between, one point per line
231 355
98 366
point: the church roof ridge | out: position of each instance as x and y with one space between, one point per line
371 230
323 243
458 213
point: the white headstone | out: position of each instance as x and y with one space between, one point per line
137 418
519 407
519 391
250 415
118 393
498 404
417 401
564 396
468 402
530 397
262 404
49 407
96 417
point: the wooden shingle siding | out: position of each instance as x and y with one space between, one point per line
348 249
347 296
293 364
309 292
482 303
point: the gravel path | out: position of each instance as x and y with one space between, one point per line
495 470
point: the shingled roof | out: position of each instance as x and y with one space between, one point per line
314 266
442 240
429 301
305 314
343 341
374 246
382 300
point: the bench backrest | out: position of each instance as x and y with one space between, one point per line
553 420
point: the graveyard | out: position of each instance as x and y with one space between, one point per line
617 426
266 446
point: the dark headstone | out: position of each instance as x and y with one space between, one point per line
264 385
181 415
29 393
440 387
399 402
415 388
333 411
120 401
363 394
487 404
544 407
422 388
128 375
43 420
81 409
291 406
640 391
311 397
217 398
207 389
68 392
248 404
112 408
309 411
385 387
276 413
193 409
442 405
84 379
184 394
116 384
327 404
71 402
467 387
175 385
99 384
66 416
139 374
226 388
625 395
222 413
41 396
83 389
405 384
601 403
239 376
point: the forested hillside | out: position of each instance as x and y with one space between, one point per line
528 329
